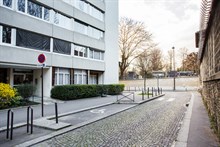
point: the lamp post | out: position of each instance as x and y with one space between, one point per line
174 77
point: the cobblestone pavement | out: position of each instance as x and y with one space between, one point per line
152 124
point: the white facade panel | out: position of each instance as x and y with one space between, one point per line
111 42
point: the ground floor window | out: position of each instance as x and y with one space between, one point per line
22 76
62 76
93 78
3 75
80 77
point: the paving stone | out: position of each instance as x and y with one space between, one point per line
155 123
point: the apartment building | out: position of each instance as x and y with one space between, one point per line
78 37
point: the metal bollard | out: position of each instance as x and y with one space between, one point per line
148 92
158 90
56 113
28 118
142 94
152 92
161 91
8 123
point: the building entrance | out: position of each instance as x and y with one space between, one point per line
3 75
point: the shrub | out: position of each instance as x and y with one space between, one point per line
8 96
71 92
26 90
114 89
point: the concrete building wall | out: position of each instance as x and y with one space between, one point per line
14 57
111 43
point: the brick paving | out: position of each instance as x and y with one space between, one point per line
155 123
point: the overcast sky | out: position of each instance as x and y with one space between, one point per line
172 22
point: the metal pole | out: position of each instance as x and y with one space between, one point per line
56 113
174 77
32 120
7 134
152 91
28 118
12 121
142 94
42 91
148 92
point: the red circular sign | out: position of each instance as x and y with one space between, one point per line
41 58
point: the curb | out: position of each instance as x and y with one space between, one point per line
183 133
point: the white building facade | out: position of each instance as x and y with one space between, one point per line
79 39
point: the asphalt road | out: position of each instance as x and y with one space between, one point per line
154 123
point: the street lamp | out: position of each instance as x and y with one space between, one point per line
174 77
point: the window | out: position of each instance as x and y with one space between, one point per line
62 20
81 28
56 18
32 40
82 5
95 54
80 77
62 76
6 35
93 79
46 14
21 5
22 76
34 9
80 51
60 46
7 3
91 53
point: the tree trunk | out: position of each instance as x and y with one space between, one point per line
145 81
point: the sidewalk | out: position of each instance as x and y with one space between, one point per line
195 130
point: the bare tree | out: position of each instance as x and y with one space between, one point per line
144 65
132 39
156 59
182 54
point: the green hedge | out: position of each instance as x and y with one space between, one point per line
26 90
71 92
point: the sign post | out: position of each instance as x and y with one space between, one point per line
41 60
